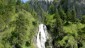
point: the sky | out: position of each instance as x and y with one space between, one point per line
24 0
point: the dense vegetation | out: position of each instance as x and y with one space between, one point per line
66 27
19 22
17 25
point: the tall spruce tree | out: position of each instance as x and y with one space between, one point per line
74 15
62 13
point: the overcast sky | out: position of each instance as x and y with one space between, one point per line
24 0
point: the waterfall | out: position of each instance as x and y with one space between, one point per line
41 36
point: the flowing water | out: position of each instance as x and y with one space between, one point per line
41 36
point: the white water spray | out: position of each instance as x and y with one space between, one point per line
41 36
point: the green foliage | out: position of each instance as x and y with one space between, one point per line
50 21
83 19
52 9
65 36
62 14
18 24
71 15
58 23
21 31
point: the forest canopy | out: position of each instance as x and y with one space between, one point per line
65 21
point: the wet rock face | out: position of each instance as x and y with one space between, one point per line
79 5
68 4
82 1
48 43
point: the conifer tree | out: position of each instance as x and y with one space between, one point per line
73 15
69 15
58 23
52 9
62 13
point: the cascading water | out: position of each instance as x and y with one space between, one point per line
41 36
